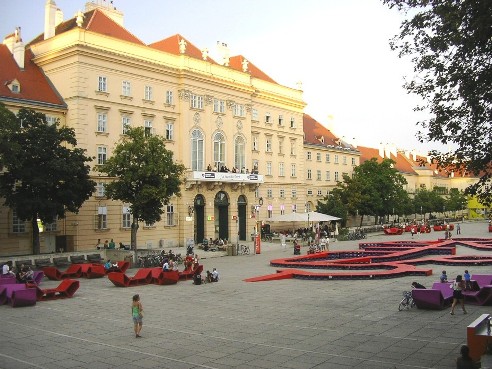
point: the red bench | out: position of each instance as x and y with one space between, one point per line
142 276
188 274
164 277
66 289
73 271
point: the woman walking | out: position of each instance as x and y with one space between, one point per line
137 314
458 287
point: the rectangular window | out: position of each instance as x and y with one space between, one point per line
170 215
102 217
219 106
125 124
309 174
292 122
320 193
308 155
268 147
102 85
294 208
281 146
336 176
268 118
148 93
280 120
318 175
50 227
269 168
100 189
318 156
310 192
344 160
328 176
353 161
282 209
327 158
148 127
239 110
292 147
18 226
281 169
269 193
254 114
336 159
126 88
255 143
101 155
270 213
102 122
196 102
51 120
126 218
282 193
169 97
169 131
294 192
292 170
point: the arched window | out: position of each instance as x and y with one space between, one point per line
239 150
196 150
219 150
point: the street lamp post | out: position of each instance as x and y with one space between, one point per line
421 212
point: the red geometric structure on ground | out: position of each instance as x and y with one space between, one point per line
377 260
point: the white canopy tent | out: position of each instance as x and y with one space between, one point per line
311 216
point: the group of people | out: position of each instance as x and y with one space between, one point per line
111 266
225 169
24 274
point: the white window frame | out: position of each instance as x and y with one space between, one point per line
281 169
353 161
268 168
309 174
219 106
318 156
308 154
169 97
102 122
239 152
282 193
170 131
219 150
280 120
126 122
148 93
269 193
292 122
239 110
126 220
100 189
336 158
328 175
126 88
344 160
268 118
336 177
197 150
318 175
18 226
327 157
102 217
254 114
148 127
102 155
293 170
102 84
268 143
293 192
256 142
196 101
170 215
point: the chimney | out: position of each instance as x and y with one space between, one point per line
49 19
58 17
387 152
19 50
414 155
381 150
107 8
224 52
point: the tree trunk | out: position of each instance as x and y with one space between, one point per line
36 248
133 239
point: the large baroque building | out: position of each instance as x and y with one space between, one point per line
91 74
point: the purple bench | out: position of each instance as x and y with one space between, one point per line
436 298
7 279
10 279
482 279
17 295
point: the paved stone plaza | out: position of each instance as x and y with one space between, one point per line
233 324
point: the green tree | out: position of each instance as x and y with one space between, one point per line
374 189
456 200
145 176
449 43
45 174
426 201
334 205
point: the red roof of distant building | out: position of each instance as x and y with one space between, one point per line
402 163
317 134
236 62
34 85
95 21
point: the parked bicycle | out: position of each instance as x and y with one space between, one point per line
407 301
244 249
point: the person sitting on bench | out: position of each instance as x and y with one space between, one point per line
215 275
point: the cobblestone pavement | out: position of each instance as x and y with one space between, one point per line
233 324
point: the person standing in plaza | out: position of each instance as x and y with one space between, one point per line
458 229
458 286
467 278
137 315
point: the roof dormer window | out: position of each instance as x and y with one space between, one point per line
14 86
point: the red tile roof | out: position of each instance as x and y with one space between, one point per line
34 85
402 164
171 45
317 134
95 21
236 62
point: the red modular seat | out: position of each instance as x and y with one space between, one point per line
66 289
73 271
142 276
393 231
189 274
164 277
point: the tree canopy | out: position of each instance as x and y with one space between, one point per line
145 176
450 43
45 174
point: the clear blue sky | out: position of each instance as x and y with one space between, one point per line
339 49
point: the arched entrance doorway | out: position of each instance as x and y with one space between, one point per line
241 212
199 231
221 203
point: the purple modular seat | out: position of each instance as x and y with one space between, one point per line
482 279
26 297
429 299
